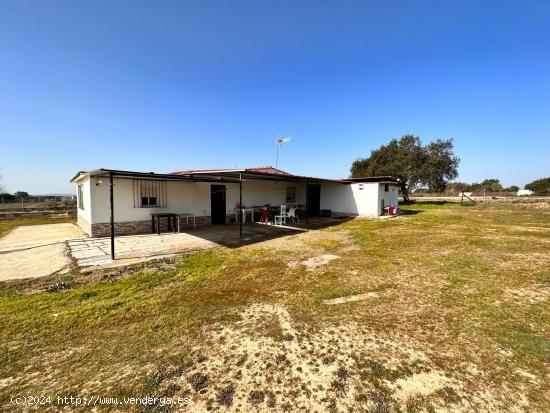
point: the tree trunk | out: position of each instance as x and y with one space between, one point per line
405 193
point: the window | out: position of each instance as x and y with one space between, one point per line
149 193
80 197
150 201
386 188
291 194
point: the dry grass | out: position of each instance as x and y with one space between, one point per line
459 321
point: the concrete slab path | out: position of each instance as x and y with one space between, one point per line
35 250
97 251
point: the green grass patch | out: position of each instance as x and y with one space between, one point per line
8 225
330 291
327 244
416 205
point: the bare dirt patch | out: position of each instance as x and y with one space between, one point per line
421 383
350 298
338 368
314 262
535 294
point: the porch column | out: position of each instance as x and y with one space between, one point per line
112 215
307 203
241 205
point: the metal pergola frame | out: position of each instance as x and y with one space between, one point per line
112 174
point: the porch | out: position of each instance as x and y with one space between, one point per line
137 203
137 248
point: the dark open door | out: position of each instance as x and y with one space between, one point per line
314 200
217 204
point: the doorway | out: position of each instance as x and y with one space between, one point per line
217 204
314 200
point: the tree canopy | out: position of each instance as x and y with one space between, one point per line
7 197
411 163
455 188
21 194
488 185
540 186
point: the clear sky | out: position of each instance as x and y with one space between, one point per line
162 86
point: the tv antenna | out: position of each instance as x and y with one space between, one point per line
280 140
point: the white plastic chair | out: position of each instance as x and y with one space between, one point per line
281 219
292 215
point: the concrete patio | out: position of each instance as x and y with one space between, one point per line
136 248
41 250
36 250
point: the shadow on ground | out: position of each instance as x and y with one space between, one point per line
228 235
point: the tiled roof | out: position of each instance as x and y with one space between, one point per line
260 169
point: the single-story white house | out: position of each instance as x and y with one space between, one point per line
128 199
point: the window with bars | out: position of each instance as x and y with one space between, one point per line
291 194
149 193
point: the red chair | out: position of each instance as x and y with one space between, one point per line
265 216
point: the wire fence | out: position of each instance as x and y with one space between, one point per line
38 206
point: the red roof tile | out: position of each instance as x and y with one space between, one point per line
260 169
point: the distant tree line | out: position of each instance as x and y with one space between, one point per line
16 196
491 185
540 187
22 195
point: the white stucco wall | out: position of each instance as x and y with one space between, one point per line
182 197
391 198
86 213
358 199
257 193
190 197
367 198
338 198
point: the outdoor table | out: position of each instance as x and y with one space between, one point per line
157 216
245 211
186 216
248 210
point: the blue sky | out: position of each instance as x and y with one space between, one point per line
162 86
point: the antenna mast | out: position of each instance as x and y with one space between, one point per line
279 140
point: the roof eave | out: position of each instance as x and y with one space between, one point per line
149 175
